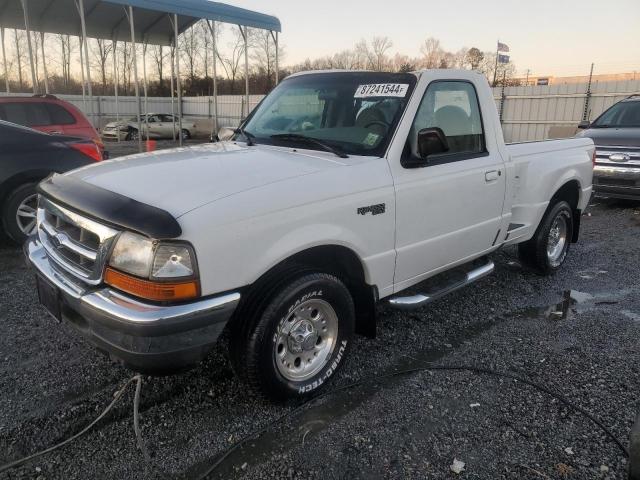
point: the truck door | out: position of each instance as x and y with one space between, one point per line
449 210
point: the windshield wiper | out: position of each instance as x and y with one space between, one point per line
249 136
604 125
296 137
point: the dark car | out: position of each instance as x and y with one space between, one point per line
616 134
26 157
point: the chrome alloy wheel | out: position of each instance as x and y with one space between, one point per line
26 214
305 340
557 240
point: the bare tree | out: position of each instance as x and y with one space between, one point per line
188 48
101 53
474 58
65 52
380 46
19 41
432 53
230 61
158 55
263 53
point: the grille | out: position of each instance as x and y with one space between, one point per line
76 243
632 154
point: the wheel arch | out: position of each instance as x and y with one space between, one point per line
345 264
28 176
570 193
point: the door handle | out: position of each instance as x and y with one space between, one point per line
55 132
492 175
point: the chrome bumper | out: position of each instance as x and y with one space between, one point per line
145 336
619 182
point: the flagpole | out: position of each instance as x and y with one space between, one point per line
495 71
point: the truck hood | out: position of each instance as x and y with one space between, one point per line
182 179
623 137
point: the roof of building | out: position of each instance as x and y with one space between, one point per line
107 19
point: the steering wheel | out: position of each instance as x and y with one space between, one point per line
378 122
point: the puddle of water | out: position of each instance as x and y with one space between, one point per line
632 315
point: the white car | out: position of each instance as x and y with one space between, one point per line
340 190
159 125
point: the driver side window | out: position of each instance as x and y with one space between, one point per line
453 107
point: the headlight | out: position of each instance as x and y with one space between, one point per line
133 254
151 269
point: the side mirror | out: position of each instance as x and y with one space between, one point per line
431 141
584 124
226 133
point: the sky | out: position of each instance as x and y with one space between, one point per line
548 37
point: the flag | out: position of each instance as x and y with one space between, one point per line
503 47
503 58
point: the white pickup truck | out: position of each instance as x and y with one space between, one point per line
340 189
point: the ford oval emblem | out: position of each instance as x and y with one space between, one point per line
619 157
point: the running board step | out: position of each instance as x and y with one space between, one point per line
416 301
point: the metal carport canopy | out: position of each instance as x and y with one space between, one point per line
106 19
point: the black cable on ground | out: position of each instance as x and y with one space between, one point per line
82 432
373 378
237 445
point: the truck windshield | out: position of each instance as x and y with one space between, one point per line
621 115
353 112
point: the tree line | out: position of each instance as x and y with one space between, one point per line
64 75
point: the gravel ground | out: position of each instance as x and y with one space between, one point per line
575 333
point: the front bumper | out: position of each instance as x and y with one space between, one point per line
617 182
146 337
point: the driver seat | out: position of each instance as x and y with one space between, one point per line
370 115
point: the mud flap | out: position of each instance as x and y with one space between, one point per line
577 215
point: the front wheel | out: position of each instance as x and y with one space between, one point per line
547 250
186 135
299 340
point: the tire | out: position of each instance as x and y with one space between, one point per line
186 135
292 346
14 222
549 246
132 135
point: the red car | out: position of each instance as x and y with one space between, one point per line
49 114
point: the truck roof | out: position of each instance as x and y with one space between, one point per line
455 73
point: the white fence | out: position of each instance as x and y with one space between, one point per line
527 113
554 111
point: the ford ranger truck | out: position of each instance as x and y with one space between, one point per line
340 190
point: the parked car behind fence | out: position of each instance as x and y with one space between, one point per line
160 125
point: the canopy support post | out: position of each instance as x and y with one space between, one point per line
144 86
173 107
214 127
80 5
4 62
245 33
114 44
135 75
84 83
178 86
44 64
34 80
274 35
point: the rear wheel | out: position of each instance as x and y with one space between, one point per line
549 246
133 134
19 213
186 135
292 346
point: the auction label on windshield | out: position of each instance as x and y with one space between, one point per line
381 90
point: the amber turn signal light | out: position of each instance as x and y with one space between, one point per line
159 291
